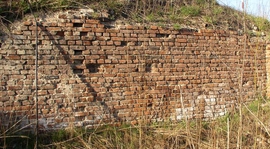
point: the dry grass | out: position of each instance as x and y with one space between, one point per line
219 133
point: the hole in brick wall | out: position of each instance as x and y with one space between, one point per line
77 52
78 71
136 70
60 106
123 43
77 24
162 35
0 45
149 104
148 67
79 118
108 26
52 58
93 68
80 108
138 43
34 45
83 33
60 33
78 61
174 91
186 30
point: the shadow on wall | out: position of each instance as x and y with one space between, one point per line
13 123
85 107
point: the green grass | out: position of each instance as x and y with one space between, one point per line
191 11
262 23
176 26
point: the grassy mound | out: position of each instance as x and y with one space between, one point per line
179 14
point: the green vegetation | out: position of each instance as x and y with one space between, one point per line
176 26
196 12
190 11
261 23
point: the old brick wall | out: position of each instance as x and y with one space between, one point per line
92 71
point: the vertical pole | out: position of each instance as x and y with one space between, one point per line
268 70
36 80
240 130
36 73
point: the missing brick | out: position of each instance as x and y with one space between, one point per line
83 33
93 68
107 26
78 61
148 67
77 24
138 43
60 106
77 52
79 118
162 35
78 71
60 33
123 43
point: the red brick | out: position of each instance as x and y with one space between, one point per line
117 39
28 23
87 43
69 24
53 28
13 57
90 25
152 31
112 31
92 21
181 40
71 42
130 27
126 31
153 27
77 20
85 29
79 114
98 30
78 42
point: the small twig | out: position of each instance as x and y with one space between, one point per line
16 136
228 133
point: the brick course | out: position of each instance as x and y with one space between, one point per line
89 73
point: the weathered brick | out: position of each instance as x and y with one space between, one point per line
92 21
85 67
28 23
13 57
181 40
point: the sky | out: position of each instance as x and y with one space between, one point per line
254 7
